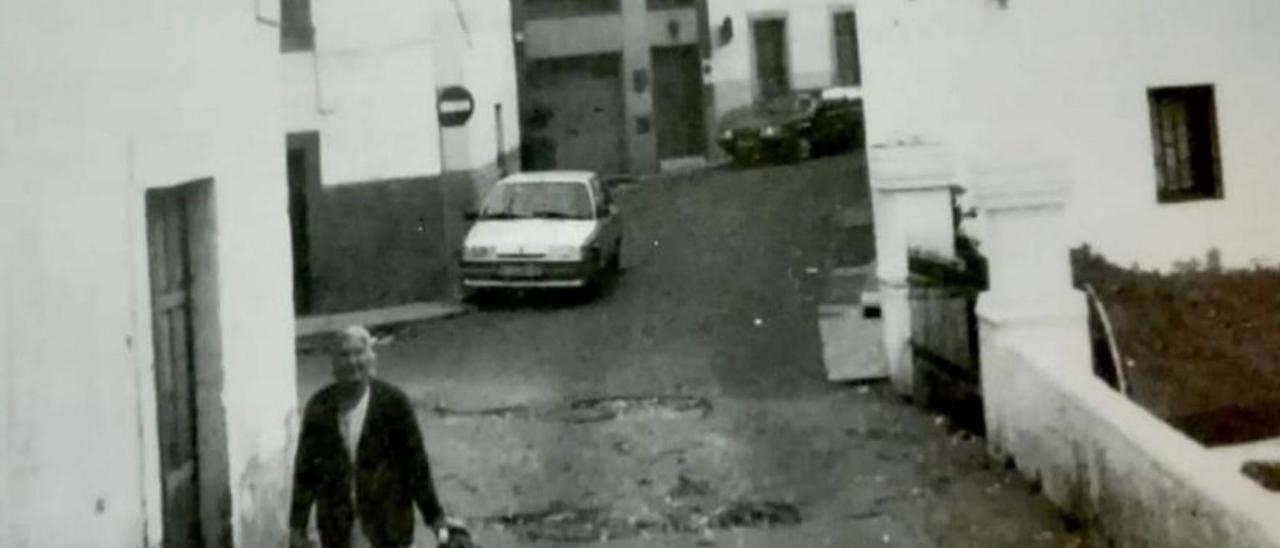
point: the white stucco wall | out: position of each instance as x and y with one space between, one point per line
476 50
810 48
369 89
100 103
1070 81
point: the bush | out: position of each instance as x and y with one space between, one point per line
1198 344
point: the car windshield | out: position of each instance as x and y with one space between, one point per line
554 200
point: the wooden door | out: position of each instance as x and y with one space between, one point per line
773 73
677 102
579 104
169 249
848 65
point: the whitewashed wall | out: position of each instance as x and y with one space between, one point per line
100 102
811 48
370 86
1070 80
475 49
369 89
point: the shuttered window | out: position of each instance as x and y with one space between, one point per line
773 75
296 30
845 30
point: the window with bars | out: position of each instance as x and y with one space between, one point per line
1184 134
296 31
845 34
536 9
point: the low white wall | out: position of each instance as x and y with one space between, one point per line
1072 78
1120 469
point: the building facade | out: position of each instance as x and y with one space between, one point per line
147 385
378 185
613 86
764 48
1159 112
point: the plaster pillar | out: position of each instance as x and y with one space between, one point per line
1031 313
911 193
637 81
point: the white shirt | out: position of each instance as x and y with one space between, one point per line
351 425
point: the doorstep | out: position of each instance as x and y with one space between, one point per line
852 345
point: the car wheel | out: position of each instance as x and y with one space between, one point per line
803 150
615 261
474 296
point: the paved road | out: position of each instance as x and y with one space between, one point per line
688 407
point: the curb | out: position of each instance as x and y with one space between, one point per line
416 312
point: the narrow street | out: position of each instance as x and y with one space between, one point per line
688 406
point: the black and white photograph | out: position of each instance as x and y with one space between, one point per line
639 274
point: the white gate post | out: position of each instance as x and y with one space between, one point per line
1031 306
912 206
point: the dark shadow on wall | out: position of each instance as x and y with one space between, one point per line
393 242
378 244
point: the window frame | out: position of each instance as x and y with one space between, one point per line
836 72
760 91
1189 112
297 26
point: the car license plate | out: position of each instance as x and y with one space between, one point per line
520 271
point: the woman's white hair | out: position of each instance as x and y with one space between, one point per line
358 333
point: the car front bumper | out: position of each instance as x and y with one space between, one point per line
521 275
756 147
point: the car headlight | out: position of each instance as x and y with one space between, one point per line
771 131
565 253
477 253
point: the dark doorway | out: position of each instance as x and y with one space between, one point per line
773 74
303 159
168 223
677 101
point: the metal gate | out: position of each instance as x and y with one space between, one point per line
944 337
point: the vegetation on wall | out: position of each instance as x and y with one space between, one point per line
1198 345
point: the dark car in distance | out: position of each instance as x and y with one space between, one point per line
793 127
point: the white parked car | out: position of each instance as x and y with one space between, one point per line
546 229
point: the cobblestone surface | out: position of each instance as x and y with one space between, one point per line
688 407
